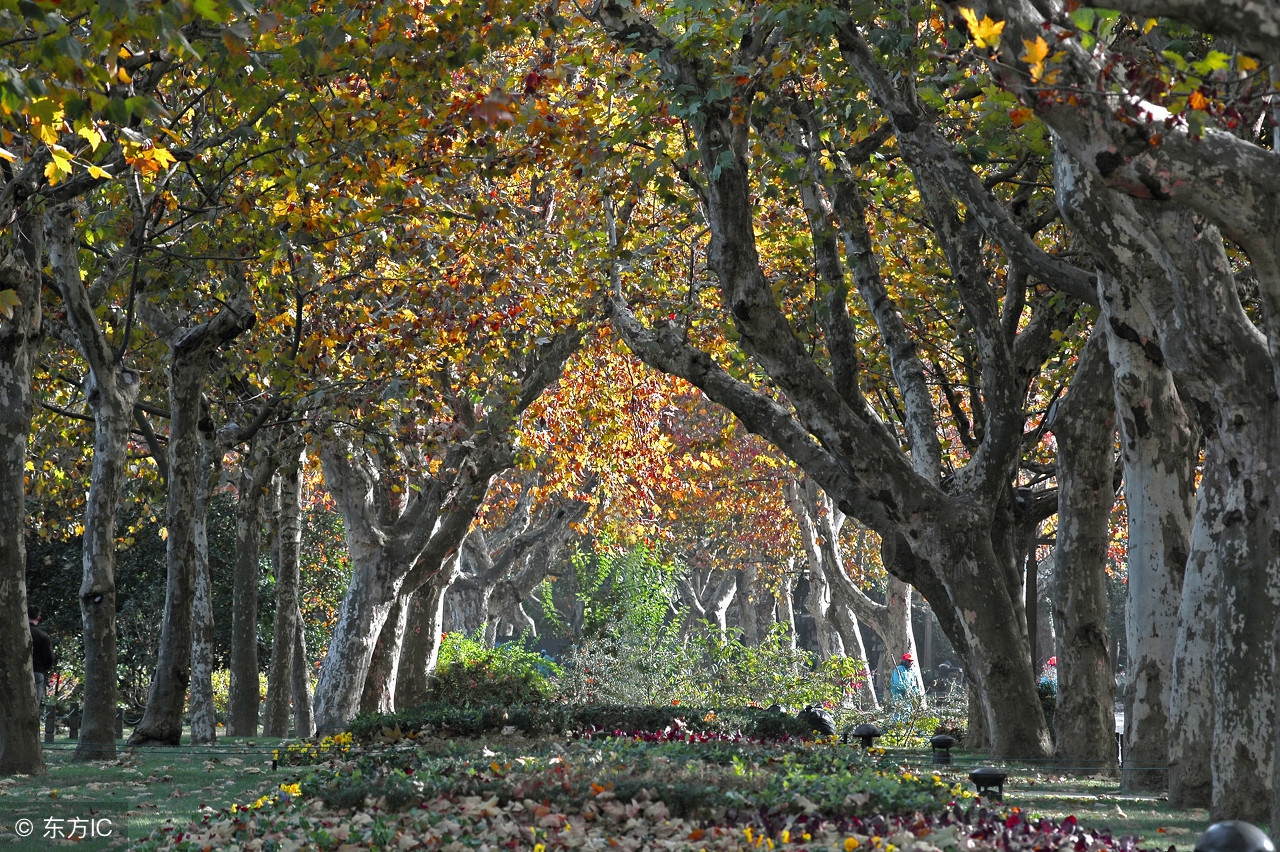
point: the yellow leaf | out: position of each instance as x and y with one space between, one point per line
985 32
1036 52
6 154
164 533
1146 28
52 172
99 173
163 157
47 133
91 135
123 76
9 301
1246 63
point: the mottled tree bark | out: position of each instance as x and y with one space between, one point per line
421 647
379 694
1159 459
749 606
818 601
111 391
286 627
786 595
380 570
1232 184
304 724
204 722
244 696
1191 692
191 354
1085 426
20 264
707 598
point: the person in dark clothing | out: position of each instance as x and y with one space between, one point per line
41 652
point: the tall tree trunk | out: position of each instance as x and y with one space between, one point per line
304 724
895 627
984 590
1192 689
425 537
1084 425
20 264
466 606
244 696
820 524
421 647
204 722
851 631
818 601
379 694
786 598
98 586
111 390
191 353
749 605
1158 444
1182 285
1244 738
285 638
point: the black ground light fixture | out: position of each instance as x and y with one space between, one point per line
990 782
1234 836
867 733
942 745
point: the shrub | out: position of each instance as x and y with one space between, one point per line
469 672
630 666
471 721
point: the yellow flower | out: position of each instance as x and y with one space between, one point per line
539 847
292 789
850 844
747 831
785 836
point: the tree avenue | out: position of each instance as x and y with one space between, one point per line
721 300
762 139
1167 167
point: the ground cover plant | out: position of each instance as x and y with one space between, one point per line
392 788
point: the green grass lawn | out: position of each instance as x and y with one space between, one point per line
136 793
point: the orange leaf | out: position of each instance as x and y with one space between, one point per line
1020 116
1197 101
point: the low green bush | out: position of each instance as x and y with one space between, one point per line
632 666
469 672
454 720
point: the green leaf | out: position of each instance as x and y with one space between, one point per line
1084 18
209 10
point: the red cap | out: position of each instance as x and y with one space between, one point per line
907 658
1053 661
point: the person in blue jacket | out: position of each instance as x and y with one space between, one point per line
903 683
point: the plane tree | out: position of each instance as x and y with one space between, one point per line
772 145
1167 166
